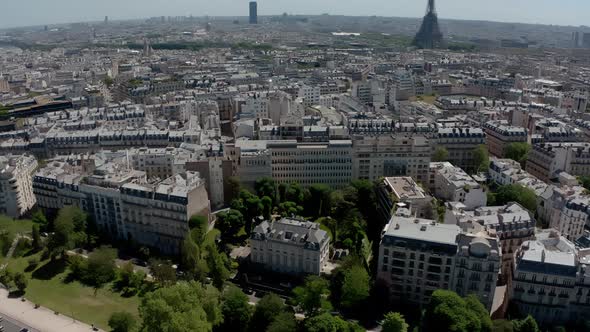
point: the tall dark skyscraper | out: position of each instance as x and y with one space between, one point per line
253 12
429 35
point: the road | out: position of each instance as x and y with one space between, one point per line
11 325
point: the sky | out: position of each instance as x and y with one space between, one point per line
15 13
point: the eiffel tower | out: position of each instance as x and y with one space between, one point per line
429 35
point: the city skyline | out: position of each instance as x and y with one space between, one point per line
67 11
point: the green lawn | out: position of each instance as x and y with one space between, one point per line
48 287
12 227
15 226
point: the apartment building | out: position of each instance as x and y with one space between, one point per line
419 256
452 184
290 246
310 95
565 207
158 162
552 280
310 163
256 107
508 171
251 161
499 134
122 202
461 144
547 160
391 156
16 189
511 224
403 192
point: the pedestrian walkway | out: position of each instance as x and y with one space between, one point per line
40 319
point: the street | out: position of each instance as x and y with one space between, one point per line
13 326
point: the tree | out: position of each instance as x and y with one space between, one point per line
199 226
481 158
69 231
265 312
217 266
502 325
394 322
282 192
284 322
319 203
529 324
122 322
288 209
265 187
584 181
312 297
234 188
517 151
266 207
235 309
447 311
295 193
516 193
163 272
328 323
36 238
440 154
39 219
229 223
129 282
101 267
20 281
355 288
186 306
191 258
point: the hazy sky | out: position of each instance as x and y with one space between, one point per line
40 12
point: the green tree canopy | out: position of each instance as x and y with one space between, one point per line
319 203
440 154
447 311
235 309
269 307
266 187
529 324
36 238
101 267
229 223
312 297
217 262
186 306
287 209
517 151
20 281
283 322
516 193
394 322
69 231
122 322
163 272
355 288
328 323
481 158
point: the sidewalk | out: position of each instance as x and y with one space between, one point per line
41 319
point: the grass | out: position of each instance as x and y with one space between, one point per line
429 99
12 227
48 286
15 226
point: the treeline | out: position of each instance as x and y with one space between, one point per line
348 214
197 46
